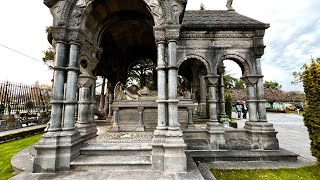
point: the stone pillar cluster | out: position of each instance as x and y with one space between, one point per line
262 134
168 143
61 128
215 130
61 144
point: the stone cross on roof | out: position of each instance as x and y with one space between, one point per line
229 5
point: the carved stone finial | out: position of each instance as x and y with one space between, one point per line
229 5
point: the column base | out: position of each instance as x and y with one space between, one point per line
175 159
158 150
56 150
114 128
262 135
88 130
216 135
140 128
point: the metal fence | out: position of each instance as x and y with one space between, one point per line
23 98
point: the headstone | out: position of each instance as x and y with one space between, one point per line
3 125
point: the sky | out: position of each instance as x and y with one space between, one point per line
292 39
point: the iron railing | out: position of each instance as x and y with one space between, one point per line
23 98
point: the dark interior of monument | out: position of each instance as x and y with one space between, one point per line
126 36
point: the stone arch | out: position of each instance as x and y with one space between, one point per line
78 8
195 56
241 60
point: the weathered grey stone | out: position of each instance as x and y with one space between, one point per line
56 150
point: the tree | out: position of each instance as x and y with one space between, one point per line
228 98
142 73
48 55
310 78
272 85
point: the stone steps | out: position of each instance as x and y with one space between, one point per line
134 149
114 156
244 155
115 162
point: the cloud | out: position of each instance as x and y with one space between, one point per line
291 40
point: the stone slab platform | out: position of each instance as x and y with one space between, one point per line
243 155
192 174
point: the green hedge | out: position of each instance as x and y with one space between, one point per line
311 83
21 134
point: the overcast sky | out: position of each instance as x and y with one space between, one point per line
294 36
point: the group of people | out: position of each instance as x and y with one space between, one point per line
241 107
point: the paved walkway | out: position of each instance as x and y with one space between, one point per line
292 135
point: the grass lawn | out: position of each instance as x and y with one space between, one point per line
305 173
8 150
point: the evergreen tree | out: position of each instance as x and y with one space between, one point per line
310 78
228 98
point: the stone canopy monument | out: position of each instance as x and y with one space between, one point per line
104 37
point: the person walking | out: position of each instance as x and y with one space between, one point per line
244 110
239 109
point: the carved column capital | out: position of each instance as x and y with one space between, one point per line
59 34
212 80
251 79
159 34
173 32
75 36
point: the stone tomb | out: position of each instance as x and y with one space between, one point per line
142 115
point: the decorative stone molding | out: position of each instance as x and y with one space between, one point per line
233 43
212 35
